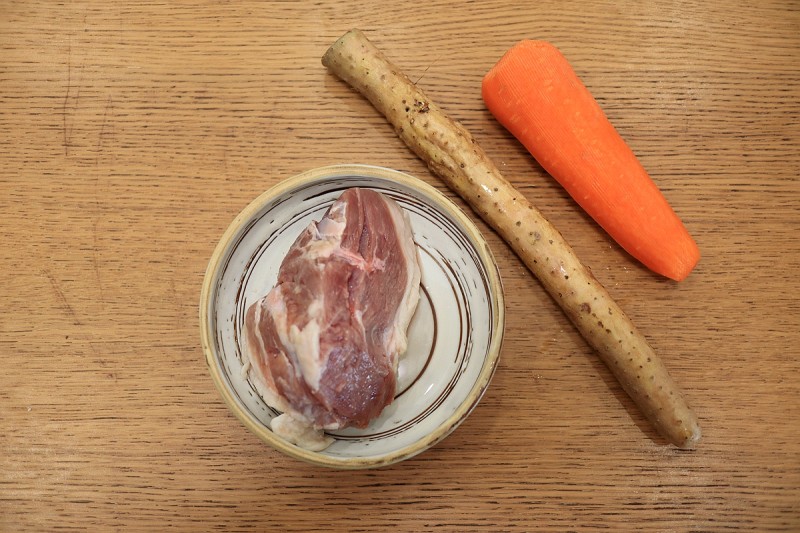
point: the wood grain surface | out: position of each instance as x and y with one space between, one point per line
131 134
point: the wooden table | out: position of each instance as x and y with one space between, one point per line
132 135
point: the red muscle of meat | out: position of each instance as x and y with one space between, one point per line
324 343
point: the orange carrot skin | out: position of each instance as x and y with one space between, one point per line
535 94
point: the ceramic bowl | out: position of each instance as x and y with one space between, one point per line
454 337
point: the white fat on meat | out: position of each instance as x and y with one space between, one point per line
300 432
306 347
397 339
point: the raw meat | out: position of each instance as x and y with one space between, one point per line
324 343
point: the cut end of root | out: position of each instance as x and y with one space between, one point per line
692 440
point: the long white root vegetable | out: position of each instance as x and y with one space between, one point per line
454 155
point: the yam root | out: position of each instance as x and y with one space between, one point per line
453 154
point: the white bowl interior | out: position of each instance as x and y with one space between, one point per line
453 338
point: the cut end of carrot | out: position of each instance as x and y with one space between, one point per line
535 94
681 266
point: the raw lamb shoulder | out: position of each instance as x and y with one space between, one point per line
324 343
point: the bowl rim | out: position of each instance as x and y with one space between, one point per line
498 311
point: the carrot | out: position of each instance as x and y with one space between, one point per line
453 154
536 95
